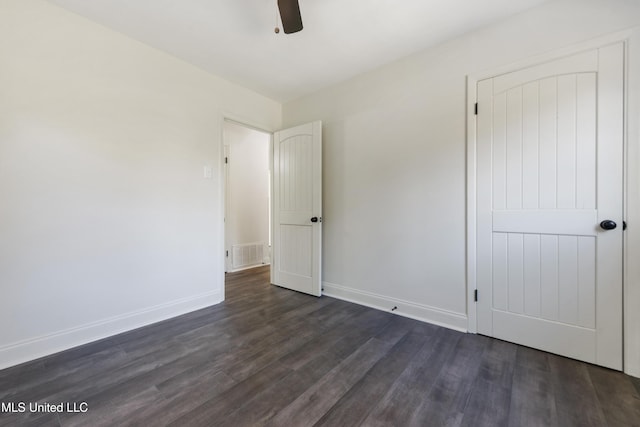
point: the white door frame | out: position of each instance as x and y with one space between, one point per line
230 117
472 81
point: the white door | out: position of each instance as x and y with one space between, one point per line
297 208
549 172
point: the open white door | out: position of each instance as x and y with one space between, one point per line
549 197
297 208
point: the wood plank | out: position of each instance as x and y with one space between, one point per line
337 342
406 394
576 400
311 405
532 275
568 279
636 383
447 398
549 277
530 146
499 150
182 395
356 404
587 282
488 405
617 396
218 406
117 411
266 404
362 367
515 275
28 420
514 149
586 141
566 149
532 395
548 143
500 282
56 380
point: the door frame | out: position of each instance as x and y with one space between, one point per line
471 196
222 179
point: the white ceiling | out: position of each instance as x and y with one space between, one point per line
341 38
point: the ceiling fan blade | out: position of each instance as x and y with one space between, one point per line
290 15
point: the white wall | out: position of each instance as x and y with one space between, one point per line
247 219
106 221
394 164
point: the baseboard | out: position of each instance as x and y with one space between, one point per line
35 348
248 268
424 313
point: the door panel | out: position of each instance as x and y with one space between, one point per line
296 250
297 179
549 170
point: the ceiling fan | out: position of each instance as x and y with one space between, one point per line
290 16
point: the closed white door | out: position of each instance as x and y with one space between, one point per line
297 208
549 176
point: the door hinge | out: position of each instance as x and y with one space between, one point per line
226 160
476 109
227 254
475 295
624 225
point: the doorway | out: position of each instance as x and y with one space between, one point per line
247 197
273 203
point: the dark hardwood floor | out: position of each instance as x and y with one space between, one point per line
269 356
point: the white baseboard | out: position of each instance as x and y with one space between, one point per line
248 268
35 348
424 313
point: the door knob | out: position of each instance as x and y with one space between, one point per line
607 224
314 219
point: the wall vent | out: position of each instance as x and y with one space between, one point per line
247 255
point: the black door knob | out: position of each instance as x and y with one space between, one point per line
607 224
314 219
